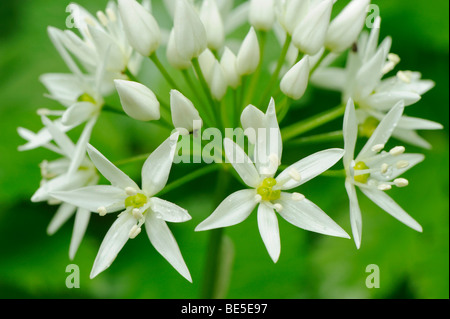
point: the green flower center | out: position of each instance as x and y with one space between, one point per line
363 178
136 201
368 127
86 98
265 190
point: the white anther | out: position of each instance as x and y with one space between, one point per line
101 210
43 112
258 198
404 76
388 67
402 164
111 15
401 182
384 168
135 230
377 148
398 150
137 213
130 191
274 160
394 58
89 21
297 197
384 187
54 201
278 207
295 175
102 18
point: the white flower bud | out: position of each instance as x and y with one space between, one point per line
291 12
248 57
295 81
189 32
218 82
207 61
309 35
345 28
262 14
174 57
212 21
228 63
140 27
137 100
184 113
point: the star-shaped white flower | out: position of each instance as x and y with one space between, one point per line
375 171
138 205
269 192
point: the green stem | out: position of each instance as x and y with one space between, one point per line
205 87
163 71
301 127
130 75
319 138
277 71
213 261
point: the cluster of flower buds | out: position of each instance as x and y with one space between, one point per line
220 68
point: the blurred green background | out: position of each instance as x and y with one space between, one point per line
32 264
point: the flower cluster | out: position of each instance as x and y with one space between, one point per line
219 81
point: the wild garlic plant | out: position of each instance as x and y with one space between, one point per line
225 108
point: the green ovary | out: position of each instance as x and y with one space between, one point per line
86 98
368 127
364 177
136 201
266 192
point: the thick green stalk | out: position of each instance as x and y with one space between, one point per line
301 127
319 138
163 71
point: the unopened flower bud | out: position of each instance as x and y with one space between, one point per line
140 27
262 14
295 81
138 101
184 113
174 57
247 60
228 63
212 21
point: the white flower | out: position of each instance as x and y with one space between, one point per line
291 12
138 101
248 57
374 171
362 81
228 63
268 192
184 114
345 28
138 205
212 20
140 27
262 14
72 171
295 81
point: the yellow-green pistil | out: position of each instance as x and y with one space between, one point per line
86 98
136 201
363 177
265 190
368 127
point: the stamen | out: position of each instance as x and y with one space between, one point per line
377 148
54 201
278 207
137 213
297 197
401 182
111 15
102 18
384 187
89 21
398 150
43 112
384 168
394 58
101 210
258 198
404 76
135 230
130 191
295 175
402 164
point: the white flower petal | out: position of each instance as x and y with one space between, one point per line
64 212
109 170
241 163
411 137
384 101
355 213
92 197
168 211
305 214
268 228
414 123
350 132
390 206
79 229
115 239
156 169
61 139
233 210
162 239
310 167
393 170
384 131
79 153
78 113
